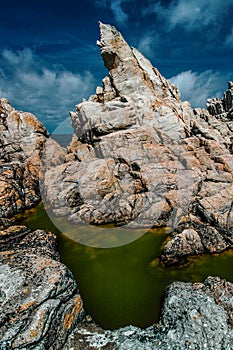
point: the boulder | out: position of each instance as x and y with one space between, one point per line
40 302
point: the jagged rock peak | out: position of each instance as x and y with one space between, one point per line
222 106
131 74
143 158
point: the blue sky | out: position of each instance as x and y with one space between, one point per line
49 60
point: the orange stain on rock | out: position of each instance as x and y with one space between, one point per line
71 316
33 333
26 306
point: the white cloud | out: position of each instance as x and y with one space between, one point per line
196 88
47 92
148 43
116 7
229 39
192 14
119 14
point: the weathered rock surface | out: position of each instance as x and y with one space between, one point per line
223 108
40 303
197 316
23 138
194 316
142 78
142 157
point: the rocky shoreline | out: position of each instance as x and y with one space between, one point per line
140 157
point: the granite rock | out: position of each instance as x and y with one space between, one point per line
222 108
23 140
141 157
40 303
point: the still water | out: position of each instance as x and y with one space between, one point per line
124 285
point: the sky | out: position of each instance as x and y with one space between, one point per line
49 60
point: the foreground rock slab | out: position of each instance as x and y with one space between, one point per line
194 316
40 303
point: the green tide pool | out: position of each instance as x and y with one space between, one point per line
124 285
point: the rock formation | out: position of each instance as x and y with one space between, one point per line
23 138
141 157
40 303
223 108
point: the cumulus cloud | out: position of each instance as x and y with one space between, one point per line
48 92
119 14
192 14
229 39
197 87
